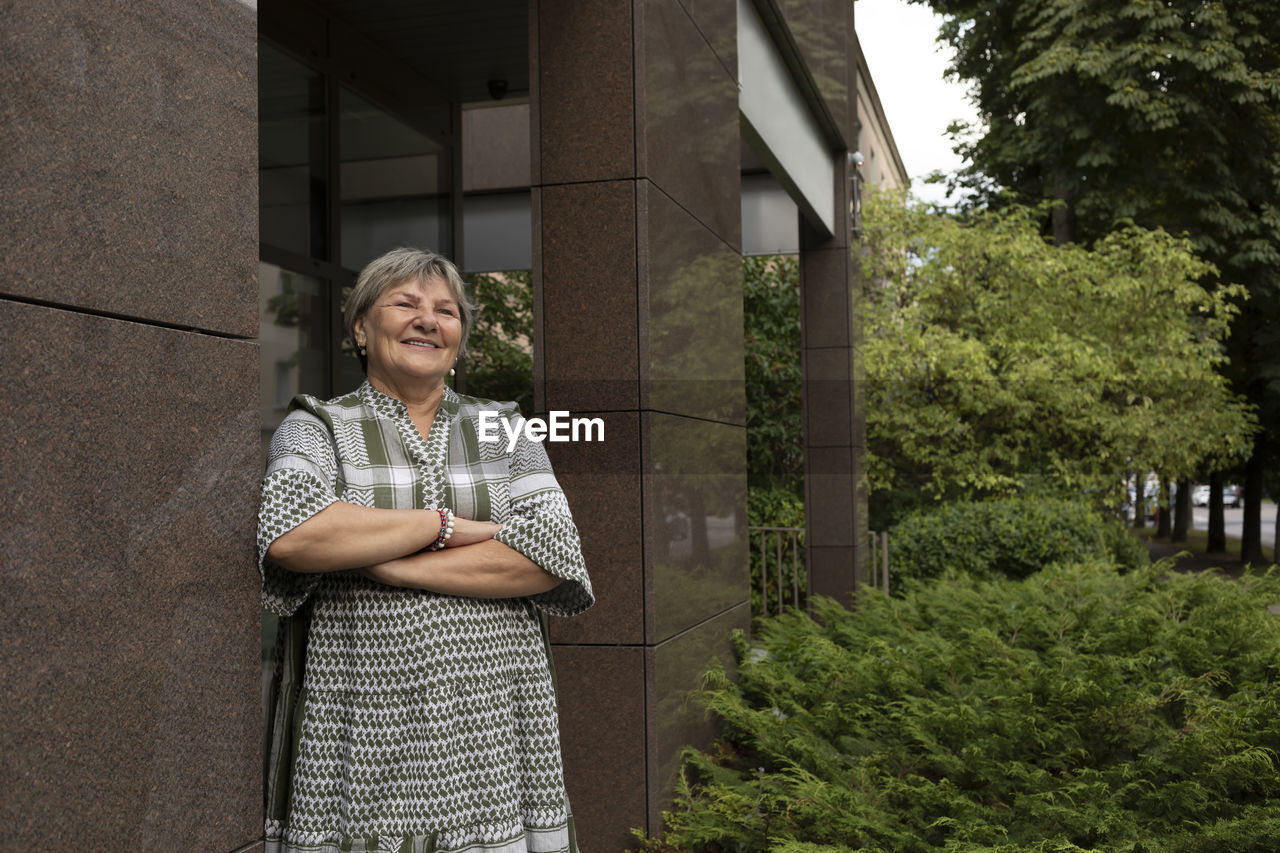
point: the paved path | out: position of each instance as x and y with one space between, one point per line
1233 520
1194 562
1225 563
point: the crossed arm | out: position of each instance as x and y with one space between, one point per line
387 545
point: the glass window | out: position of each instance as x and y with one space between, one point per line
293 339
292 144
394 184
497 231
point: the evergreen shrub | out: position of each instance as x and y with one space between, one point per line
1078 710
1013 537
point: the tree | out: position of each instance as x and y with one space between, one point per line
1164 112
997 362
1161 112
499 357
771 303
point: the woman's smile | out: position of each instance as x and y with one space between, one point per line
412 334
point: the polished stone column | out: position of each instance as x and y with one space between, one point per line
639 312
834 415
128 449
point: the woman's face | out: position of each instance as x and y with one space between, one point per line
411 332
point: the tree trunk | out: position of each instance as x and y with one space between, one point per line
1139 500
1217 543
1182 512
1063 216
1251 536
1164 520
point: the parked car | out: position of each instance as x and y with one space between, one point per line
1200 496
1232 496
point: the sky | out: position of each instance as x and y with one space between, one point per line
907 65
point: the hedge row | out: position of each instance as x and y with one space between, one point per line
1078 710
1014 537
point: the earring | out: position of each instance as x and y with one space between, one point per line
452 371
363 351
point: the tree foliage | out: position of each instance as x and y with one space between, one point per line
499 357
997 362
1161 112
771 305
1078 710
1165 112
1014 537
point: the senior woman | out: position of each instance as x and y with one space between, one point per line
415 709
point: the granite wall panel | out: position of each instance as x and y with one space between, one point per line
717 21
824 34
585 89
128 172
602 736
831 483
674 668
602 482
828 395
695 494
833 571
588 296
688 141
129 643
827 311
690 286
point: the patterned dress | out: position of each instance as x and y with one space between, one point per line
406 720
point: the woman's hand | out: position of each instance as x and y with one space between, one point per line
468 532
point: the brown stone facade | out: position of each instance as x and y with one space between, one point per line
129 331
127 322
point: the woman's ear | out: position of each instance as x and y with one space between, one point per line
357 330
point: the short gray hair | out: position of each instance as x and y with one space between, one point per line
397 267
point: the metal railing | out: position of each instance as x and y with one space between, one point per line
878 560
778 576
777 569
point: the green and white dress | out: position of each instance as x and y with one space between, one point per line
406 720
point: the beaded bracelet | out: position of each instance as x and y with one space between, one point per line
446 530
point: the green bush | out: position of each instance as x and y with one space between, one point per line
1078 710
774 507
1014 537
1125 549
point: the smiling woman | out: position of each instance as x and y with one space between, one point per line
414 330
415 707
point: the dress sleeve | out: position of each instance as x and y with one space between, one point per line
301 480
541 528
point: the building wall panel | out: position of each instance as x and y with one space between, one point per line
128 173
129 635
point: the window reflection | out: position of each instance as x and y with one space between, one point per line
394 184
293 322
292 146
